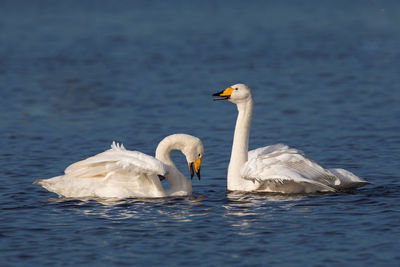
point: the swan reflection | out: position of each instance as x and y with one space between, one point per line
181 209
245 209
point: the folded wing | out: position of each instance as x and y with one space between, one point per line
281 168
116 160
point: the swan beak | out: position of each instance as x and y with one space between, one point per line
195 167
191 170
224 95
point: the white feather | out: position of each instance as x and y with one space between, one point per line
276 168
120 173
117 158
280 164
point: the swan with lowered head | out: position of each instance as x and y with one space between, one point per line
275 168
120 173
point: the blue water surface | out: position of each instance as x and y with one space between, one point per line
76 75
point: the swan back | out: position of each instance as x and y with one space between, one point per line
283 169
116 159
289 163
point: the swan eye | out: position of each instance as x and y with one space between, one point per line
236 89
199 155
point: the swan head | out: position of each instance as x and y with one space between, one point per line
190 146
236 93
193 152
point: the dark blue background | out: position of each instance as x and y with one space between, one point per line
76 75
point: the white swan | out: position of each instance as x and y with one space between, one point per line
120 173
275 168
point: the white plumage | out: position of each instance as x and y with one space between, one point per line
275 168
116 159
120 173
280 166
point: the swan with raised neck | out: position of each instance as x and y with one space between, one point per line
240 147
275 168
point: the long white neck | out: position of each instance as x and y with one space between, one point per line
240 148
177 180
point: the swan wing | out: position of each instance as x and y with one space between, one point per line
280 164
116 160
347 179
267 150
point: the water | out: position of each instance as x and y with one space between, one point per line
76 75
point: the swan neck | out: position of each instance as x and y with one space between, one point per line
163 153
240 145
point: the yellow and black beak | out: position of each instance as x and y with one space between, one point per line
196 164
224 95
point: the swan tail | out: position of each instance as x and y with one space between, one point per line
39 182
348 180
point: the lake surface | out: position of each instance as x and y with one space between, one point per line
76 75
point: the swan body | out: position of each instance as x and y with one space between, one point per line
120 173
275 168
